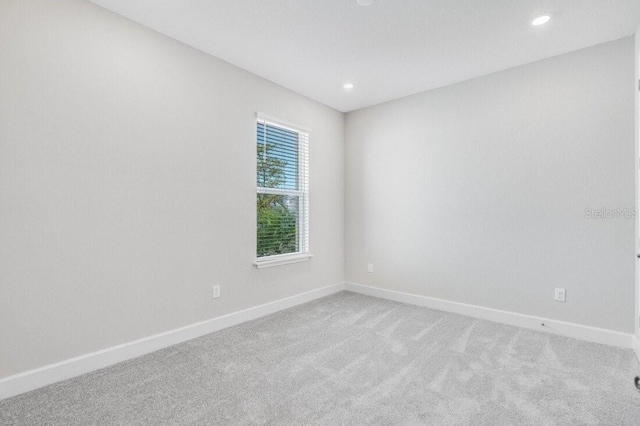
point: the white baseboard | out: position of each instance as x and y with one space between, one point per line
39 377
577 331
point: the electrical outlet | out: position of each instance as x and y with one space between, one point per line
216 291
561 295
370 267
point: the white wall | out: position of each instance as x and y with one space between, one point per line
637 156
476 192
127 184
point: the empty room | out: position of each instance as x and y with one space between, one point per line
319 212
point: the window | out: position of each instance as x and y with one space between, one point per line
283 192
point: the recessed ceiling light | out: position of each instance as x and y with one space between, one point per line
541 20
348 86
365 2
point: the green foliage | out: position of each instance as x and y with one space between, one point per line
277 233
277 223
270 168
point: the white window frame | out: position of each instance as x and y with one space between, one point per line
302 193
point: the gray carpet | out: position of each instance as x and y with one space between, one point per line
350 359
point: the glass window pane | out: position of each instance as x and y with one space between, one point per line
277 224
277 157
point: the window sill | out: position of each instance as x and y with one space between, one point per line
282 259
